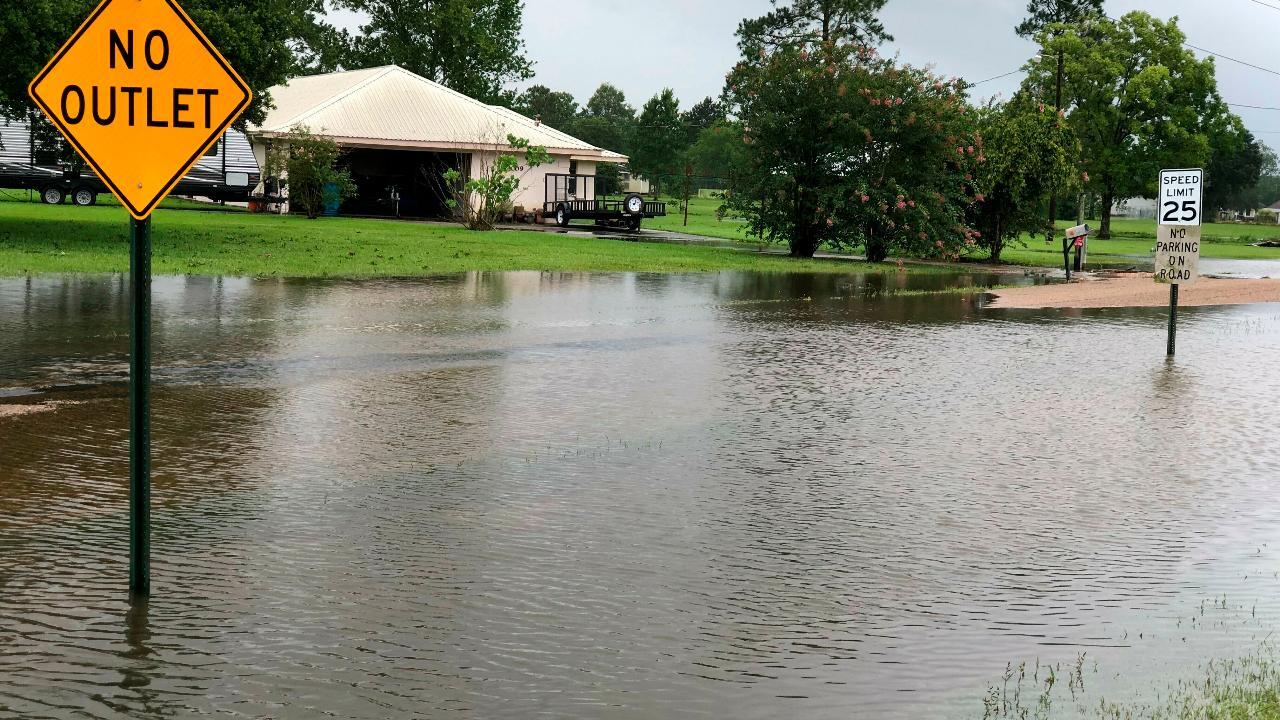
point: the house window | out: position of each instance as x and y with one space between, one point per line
573 177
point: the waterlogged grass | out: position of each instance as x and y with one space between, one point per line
958 290
65 239
1234 689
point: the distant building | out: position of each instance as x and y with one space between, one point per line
401 132
632 184
1142 208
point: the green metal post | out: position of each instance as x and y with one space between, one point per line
140 407
1173 318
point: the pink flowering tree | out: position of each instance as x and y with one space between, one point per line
847 149
1031 153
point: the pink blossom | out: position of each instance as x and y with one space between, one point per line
977 234
902 205
830 222
1084 176
960 151
972 150
979 197
924 236
865 198
938 243
912 203
901 198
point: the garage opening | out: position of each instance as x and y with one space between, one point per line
400 183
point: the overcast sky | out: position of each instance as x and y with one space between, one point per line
643 46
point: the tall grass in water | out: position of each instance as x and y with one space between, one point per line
1246 688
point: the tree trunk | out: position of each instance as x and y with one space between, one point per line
804 241
1104 226
877 250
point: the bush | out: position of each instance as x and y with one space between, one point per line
307 166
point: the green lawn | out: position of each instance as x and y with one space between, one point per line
702 220
1130 238
65 239
1136 238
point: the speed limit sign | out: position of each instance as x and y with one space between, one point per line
1181 192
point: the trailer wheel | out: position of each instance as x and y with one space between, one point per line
84 197
562 215
52 196
633 204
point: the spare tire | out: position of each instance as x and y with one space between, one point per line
562 215
633 204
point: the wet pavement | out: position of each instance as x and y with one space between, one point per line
625 496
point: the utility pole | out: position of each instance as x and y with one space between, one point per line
1057 106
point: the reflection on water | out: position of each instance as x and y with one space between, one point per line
631 496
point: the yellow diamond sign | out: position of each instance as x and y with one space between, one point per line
141 94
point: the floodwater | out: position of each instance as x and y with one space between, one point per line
625 496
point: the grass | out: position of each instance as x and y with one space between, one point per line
702 220
1235 689
38 238
1130 238
1134 238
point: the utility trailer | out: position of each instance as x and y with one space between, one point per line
34 157
573 197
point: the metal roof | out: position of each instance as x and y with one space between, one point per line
393 108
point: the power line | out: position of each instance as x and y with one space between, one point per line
1226 57
1266 5
1253 107
1011 72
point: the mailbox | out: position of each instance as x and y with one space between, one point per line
1078 231
1076 237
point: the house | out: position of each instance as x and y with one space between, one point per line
1273 208
402 132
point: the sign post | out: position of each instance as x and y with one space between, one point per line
1177 259
141 94
140 406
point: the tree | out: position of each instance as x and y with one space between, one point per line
718 151
308 166
1138 101
266 41
1237 164
472 46
843 147
701 116
791 22
1043 13
660 139
555 109
479 202
607 121
1030 152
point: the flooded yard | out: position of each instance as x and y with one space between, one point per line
626 496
